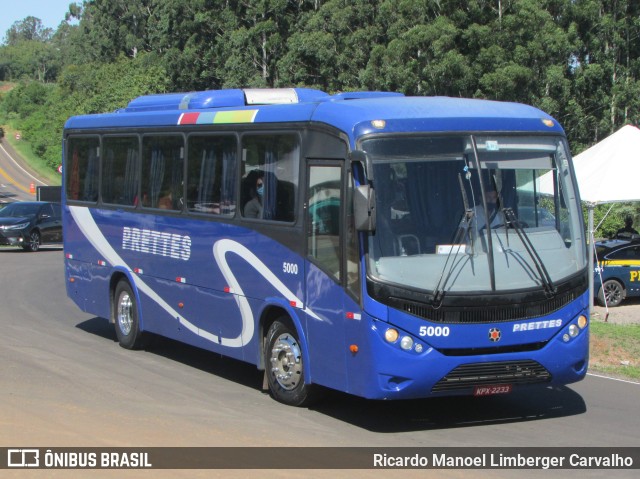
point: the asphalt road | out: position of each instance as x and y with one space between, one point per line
64 381
15 178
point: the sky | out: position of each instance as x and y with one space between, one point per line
50 12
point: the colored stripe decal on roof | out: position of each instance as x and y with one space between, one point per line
188 119
239 116
207 118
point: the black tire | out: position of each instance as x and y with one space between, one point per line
284 364
125 317
33 243
613 291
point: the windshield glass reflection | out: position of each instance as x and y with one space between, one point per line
479 213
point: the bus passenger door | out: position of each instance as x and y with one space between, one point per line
324 294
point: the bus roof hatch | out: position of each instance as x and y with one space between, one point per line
224 99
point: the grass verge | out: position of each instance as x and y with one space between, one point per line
36 163
615 349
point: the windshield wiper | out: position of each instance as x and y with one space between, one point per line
513 221
464 229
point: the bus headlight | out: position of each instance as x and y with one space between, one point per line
391 335
573 330
406 343
582 321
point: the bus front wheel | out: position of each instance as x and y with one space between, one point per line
285 367
125 311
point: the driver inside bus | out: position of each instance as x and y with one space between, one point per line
496 217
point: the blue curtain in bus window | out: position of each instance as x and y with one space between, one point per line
270 180
73 188
228 192
107 175
157 175
207 177
91 178
131 177
177 170
433 194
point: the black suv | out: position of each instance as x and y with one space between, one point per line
30 224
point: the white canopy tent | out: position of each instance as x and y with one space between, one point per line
608 172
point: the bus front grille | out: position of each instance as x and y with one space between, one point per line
485 313
516 373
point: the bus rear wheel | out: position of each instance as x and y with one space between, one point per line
284 364
125 312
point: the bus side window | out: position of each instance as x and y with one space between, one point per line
162 171
120 170
82 172
211 175
272 161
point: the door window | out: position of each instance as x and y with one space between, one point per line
323 217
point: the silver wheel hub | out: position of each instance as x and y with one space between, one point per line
125 313
286 362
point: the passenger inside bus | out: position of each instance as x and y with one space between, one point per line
254 184
166 201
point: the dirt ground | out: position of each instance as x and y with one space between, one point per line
627 313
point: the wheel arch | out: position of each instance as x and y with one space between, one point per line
123 275
272 313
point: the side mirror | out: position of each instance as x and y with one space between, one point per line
364 208
359 156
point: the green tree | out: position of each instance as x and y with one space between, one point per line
41 110
29 29
330 44
110 28
605 68
29 53
183 35
251 41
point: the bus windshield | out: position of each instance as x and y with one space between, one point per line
474 213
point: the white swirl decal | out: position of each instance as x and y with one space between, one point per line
86 223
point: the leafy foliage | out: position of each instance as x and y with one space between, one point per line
40 110
579 60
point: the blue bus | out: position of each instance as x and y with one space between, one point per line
365 242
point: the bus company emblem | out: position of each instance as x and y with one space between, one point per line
494 335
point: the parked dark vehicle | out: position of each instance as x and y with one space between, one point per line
536 217
619 265
30 224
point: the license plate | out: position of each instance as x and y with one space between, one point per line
491 390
